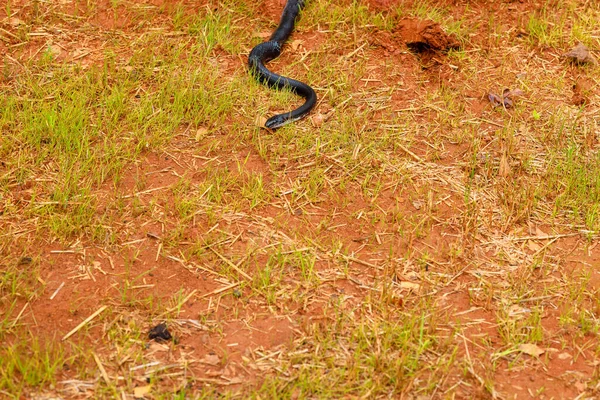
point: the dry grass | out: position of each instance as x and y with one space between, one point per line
407 240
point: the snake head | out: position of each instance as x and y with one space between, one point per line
277 121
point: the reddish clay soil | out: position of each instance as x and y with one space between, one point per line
89 275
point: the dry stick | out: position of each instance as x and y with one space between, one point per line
544 247
85 321
19 316
181 303
231 264
542 237
410 153
56 291
472 371
217 291
192 264
146 191
9 34
101 368
359 261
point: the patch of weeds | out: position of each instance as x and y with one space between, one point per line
28 365
544 32
519 325
372 357
216 28
574 180
345 15
21 280
428 10
267 280
254 189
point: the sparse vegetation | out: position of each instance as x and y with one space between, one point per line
407 239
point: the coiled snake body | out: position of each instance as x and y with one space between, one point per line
271 49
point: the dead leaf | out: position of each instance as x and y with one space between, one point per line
201 133
15 22
214 374
564 356
141 391
512 93
260 121
409 285
506 100
531 349
580 386
296 44
264 35
211 359
504 169
495 99
317 120
236 380
533 246
54 50
156 347
516 311
580 55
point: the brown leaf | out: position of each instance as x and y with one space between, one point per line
494 99
504 169
533 246
409 285
141 391
531 349
201 133
156 347
55 50
580 386
564 356
512 93
506 99
296 44
15 22
260 121
211 359
580 54
317 119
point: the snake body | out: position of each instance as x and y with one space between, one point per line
271 49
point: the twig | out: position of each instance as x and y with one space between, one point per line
231 264
101 368
19 316
359 261
146 191
541 237
410 153
85 321
56 291
223 289
181 303
152 364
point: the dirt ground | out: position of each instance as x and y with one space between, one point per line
227 340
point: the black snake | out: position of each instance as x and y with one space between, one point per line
271 49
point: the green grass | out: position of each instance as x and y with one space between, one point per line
29 364
405 239
372 358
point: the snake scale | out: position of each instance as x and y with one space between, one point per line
267 51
